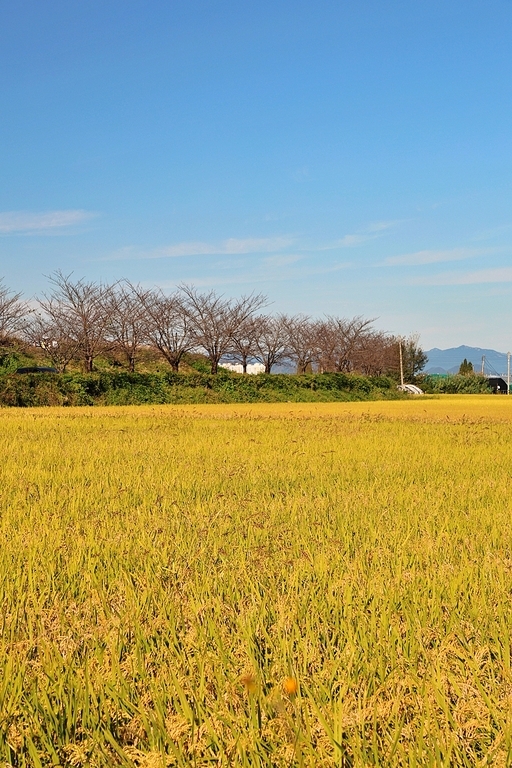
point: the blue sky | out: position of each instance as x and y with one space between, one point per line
341 156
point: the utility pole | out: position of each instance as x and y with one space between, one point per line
401 362
508 373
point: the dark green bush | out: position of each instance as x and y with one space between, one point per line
12 358
455 384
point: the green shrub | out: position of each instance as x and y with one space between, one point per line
456 384
123 388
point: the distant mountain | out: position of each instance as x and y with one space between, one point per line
449 360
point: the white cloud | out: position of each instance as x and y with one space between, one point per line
241 246
381 226
350 241
347 241
25 221
433 257
262 272
230 247
371 232
491 275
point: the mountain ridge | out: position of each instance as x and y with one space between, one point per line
449 360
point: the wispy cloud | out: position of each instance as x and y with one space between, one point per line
230 247
259 245
491 275
348 241
381 226
12 222
434 257
267 271
371 232
281 259
488 234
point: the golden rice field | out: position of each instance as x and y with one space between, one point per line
260 585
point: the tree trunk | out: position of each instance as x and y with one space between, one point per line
131 364
88 363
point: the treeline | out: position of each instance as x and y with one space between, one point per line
77 321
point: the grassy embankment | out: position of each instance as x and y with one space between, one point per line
108 388
165 569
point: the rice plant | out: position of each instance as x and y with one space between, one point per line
257 585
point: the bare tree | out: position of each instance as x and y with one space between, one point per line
12 313
380 355
60 350
79 312
167 324
271 341
215 320
326 343
244 343
341 343
302 341
126 326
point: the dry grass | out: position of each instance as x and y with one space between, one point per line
263 585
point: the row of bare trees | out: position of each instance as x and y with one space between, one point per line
77 320
13 312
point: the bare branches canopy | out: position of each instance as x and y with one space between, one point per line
167 324
80 321
80 312
217 321
13 312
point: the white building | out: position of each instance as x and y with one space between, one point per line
238 368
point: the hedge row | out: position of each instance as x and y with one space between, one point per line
23 390
457 384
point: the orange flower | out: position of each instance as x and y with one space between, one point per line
290 686
249 682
